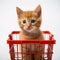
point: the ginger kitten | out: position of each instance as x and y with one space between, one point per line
30 22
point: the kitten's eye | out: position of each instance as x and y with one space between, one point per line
24 21
33 21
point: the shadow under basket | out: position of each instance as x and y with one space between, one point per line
16 53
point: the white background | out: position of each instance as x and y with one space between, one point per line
9 22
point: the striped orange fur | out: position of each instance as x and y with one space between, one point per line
30 22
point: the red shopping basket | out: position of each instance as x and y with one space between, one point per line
15 43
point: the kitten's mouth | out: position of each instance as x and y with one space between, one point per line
29 28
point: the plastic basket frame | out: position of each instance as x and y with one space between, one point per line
11 43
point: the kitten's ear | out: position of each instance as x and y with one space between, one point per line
19 11
38 10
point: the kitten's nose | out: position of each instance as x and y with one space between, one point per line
28 24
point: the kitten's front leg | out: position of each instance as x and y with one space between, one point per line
25 48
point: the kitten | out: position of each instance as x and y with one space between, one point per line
29 22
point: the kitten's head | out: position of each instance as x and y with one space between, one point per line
29 21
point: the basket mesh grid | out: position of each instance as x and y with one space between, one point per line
16 52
